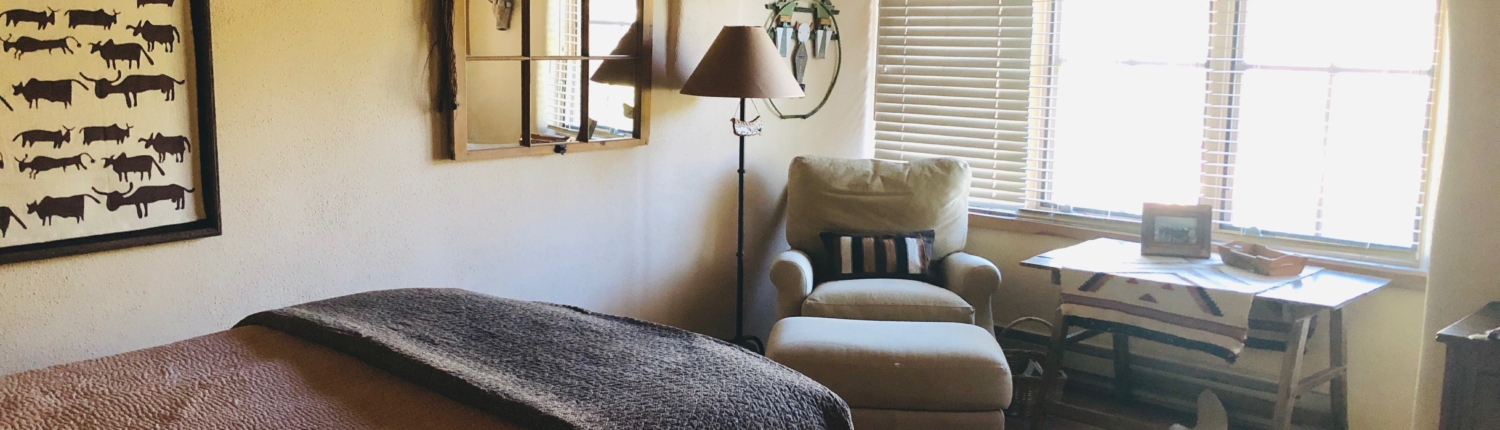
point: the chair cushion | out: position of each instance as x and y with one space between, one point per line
873 196
887 300
902 365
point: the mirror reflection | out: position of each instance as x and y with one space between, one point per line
493 99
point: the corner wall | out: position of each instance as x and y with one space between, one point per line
1466 230
330 187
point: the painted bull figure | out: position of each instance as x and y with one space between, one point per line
41 19
141 165
98 18
5 215
145 196
134 85
52 91
153 34
112 52
41 164
25 45
106 134
177 146
57 138
61 207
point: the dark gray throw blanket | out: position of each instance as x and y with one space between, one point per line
547 366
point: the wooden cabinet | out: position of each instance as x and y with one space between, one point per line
1471 382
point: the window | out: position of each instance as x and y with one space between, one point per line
1302 119
545 76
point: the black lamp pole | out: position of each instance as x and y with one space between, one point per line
748 342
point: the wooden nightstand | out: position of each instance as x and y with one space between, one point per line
1471 383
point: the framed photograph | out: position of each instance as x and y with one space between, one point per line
1176 231
108 127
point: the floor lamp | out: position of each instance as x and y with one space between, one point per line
744 64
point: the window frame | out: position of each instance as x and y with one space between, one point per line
458 120
1225 58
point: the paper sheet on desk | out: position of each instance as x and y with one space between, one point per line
1124 259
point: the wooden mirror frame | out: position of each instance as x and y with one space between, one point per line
457 77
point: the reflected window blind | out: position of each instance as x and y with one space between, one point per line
952 79
562 91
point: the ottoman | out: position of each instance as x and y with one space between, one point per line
900 374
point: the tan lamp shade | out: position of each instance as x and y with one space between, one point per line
743 63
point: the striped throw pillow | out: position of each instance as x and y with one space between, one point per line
863 256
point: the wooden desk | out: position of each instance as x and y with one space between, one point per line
1324 291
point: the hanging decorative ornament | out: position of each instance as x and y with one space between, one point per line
747 128
799 60
804 42
503 11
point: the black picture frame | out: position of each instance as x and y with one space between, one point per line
207 150
1197 239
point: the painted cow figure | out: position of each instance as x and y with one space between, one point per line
113 52
52 91
134 85
98 18
5 215
57 138
26 44
41 164
145 196
177 146
60 207
41 19
106 134
153 34
141 165
143 3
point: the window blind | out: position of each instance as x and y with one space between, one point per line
1292 118
952 79
562 87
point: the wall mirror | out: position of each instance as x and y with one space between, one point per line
549 76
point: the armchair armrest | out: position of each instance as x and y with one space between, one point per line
792 274
976 280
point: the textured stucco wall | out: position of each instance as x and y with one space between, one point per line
1465 238
330 187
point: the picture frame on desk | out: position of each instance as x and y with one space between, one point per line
1176 230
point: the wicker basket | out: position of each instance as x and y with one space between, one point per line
1028 389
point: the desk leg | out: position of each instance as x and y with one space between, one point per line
1339 389
1124 379
1291 374
1051 370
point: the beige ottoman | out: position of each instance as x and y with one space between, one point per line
898 374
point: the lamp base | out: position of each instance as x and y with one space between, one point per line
751 343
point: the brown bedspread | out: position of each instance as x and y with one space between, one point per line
248 377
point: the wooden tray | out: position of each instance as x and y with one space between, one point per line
1261 260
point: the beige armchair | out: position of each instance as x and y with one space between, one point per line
872 196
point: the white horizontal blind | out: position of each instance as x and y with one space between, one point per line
952 79
561 89
1299 118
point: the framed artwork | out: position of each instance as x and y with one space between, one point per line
108 126
1177 231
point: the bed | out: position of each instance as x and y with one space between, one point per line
426 358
